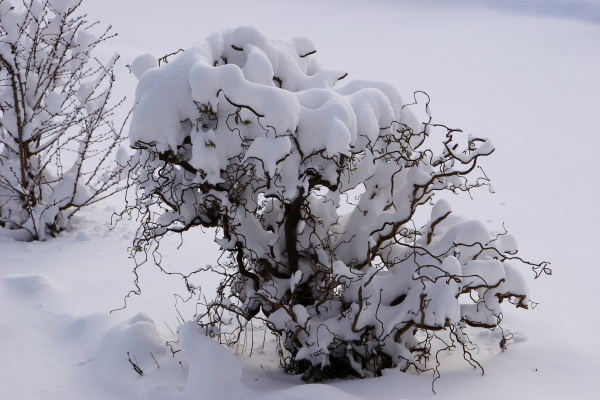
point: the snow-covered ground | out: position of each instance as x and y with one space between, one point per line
513 71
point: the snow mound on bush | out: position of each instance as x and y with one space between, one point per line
242 67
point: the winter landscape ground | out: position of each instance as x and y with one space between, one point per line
522 73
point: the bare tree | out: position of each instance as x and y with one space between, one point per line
57 137
313 189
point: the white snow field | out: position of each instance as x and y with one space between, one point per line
516 72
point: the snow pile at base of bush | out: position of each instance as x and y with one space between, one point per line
213 372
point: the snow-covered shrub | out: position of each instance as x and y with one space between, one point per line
56 135
313 186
